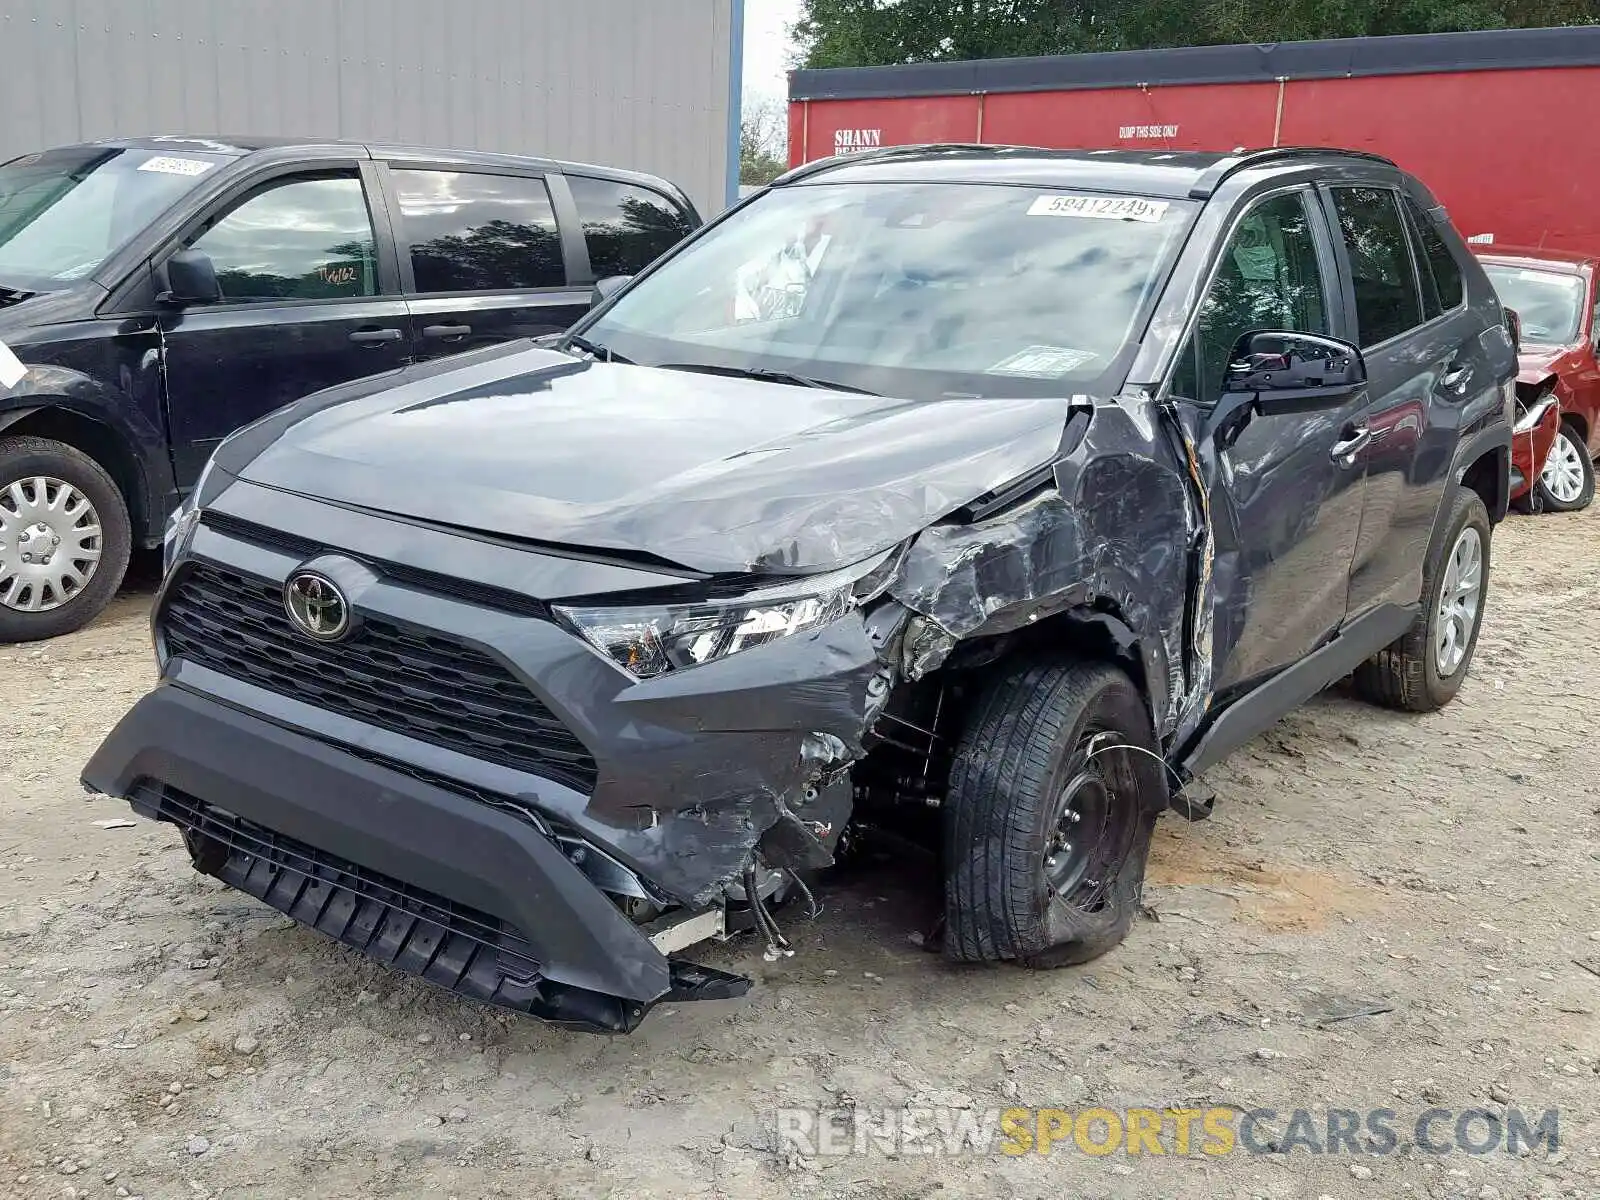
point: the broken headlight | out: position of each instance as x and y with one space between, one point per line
647 640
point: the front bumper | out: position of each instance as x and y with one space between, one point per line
1531 442
283 760
432 883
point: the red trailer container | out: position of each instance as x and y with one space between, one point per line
1489 121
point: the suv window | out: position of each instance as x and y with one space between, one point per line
300 239
1267 278
1440 272
471 232
624 226
1387 303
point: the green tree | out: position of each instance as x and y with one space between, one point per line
763 141
840 33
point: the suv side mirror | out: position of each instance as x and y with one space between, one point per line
606 288
192 278
1283 369
1514 328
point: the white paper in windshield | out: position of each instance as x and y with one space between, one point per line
165 165
1042 362
1109 208
11 368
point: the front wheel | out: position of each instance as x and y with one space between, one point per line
1567 482
1054 794
65 538
1424 669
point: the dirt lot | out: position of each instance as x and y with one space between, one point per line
163 1037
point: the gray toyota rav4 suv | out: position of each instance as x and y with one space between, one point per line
1002 486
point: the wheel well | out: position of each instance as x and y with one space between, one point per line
1489 476
101 443
1578 423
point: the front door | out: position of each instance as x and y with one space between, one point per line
1284 509
302 309
481 258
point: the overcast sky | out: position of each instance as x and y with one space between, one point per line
767 48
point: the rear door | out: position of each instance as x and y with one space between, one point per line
482 257
1425 367
310 299
1285 503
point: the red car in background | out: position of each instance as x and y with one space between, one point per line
1558 383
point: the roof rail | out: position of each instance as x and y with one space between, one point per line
1211 178
882 153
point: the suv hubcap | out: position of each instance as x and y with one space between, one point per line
1459 601
1563 470
49 543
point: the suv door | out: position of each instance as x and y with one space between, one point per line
482 258
1284 505
1425 366
304 306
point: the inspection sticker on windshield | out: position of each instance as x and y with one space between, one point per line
165 165
1042 362
11 368
1110 208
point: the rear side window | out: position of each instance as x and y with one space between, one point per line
624 226
302 239
473 232
1387 303
1441 273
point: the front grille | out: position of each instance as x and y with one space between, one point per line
408 928
421 684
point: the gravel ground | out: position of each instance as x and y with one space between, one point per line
161 1036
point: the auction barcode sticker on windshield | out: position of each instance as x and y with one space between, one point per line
1110 208
165 165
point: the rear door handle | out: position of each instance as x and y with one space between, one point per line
373 337
1455 376
1344 452
446 331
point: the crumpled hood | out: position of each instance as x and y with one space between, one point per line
1537 363
716 474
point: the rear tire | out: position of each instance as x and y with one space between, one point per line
1423 670
51 494
1025 879
1567 482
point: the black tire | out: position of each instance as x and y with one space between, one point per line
1406 675
1548 500
24 458
1034 731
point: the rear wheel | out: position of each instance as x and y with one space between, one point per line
64 539
1424 669
1054 794
1567 482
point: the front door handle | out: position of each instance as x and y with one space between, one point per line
374 337
446 331
1356 440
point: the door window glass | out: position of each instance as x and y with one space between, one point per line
1440 272
302 239
624 226
1387 303
479 233
1267 278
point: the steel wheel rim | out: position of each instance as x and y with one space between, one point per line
50 543
1460 600
1563 470
1090 826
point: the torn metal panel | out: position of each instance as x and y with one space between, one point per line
1112 534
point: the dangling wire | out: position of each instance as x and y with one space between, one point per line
813 909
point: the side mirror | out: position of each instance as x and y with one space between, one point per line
192 278
606 288
1514 328
1282 369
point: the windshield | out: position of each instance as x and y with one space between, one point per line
63 212
1550 303
922 290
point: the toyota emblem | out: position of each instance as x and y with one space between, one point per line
316 606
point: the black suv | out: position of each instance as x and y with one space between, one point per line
1001 486
162 292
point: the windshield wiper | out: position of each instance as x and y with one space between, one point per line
594 349
767 376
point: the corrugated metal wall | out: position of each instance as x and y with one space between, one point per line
633 83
